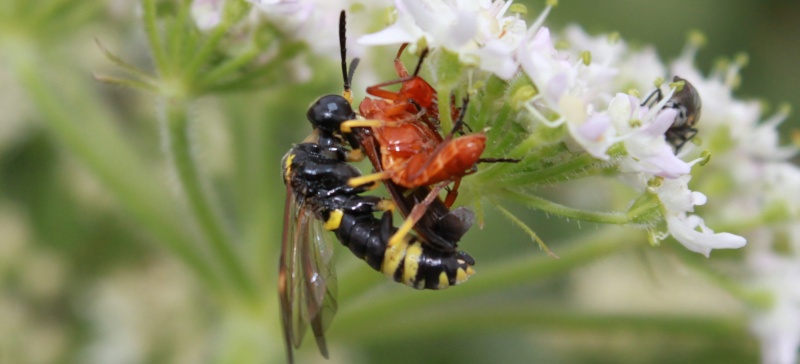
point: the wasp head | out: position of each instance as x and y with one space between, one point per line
329 112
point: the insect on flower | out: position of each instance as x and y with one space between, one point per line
319 198
409 133
400 135
404 125
686 101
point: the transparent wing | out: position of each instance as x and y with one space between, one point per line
322 286
294 221
306 283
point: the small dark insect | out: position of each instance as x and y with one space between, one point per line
686 102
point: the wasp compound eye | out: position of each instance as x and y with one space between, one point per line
329 112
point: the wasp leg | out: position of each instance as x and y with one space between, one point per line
358 181
355 155
347 126
386 205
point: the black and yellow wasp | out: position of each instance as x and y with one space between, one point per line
320 201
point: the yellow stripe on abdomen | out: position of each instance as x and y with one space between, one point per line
395 252
411 265
444 281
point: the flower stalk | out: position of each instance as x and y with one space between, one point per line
177 128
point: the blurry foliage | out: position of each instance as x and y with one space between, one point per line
63 234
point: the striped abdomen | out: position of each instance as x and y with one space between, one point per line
408 261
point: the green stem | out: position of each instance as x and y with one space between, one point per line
102 149
231 66
257 77
548 174
127 83
180 148
539 203
516 221
201 57
529 155
151 28
124 66
176 34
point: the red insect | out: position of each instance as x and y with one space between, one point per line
400 136
412 152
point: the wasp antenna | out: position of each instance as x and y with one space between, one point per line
343 48
419 63
353 65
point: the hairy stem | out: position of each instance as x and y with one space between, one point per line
189 176
93 140
564 211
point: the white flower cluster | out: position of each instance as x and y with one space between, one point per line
311 21
303 19
590 86
580 94
580 85
478 31
763 182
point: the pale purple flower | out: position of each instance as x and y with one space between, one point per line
596 78
573 89
551 71
592 131
647 149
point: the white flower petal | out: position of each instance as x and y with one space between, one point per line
400 32
676 197
683 229
594 134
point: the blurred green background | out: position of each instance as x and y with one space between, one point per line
87 272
